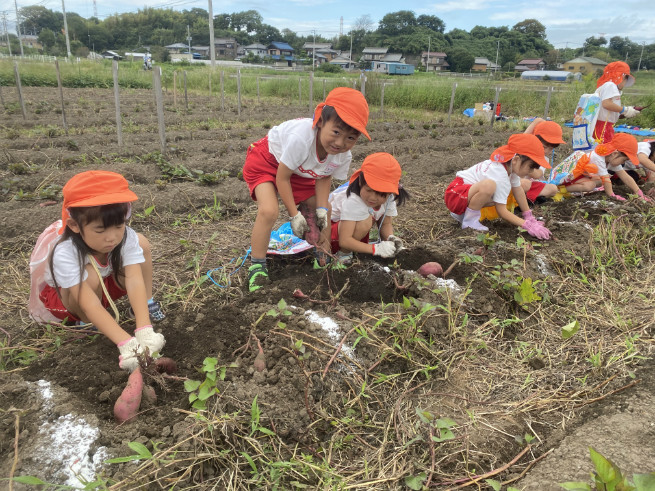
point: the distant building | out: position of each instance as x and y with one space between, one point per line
392 68
31 41
225 48
343 61
555 75
374 53
111 55
282 54
483 65
436 62
530 64
256 49
177 48
585 64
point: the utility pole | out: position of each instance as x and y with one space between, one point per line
20 41
314 50
427 63
351 47
4 23
497 50
68 43
642 54
188 37
212 46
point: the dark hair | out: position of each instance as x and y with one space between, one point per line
111 215
546 142
652 150
329 113
356 187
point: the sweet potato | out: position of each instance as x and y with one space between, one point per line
127 405
313 234
166 365
148 395
260 359
430 268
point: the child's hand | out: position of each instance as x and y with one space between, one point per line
617 197
299 225
536 229
630 112
150 339
385 249
321 217
397 241
128 358
640 193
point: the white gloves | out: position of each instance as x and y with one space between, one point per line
397 241
321 218
299 225
630 112
385 249
128 359
146 337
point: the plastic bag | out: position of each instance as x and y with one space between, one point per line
584 122
38 265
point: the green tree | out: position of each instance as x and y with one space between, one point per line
248 21
460 60
36 18
431 22
395 23
531 27
266 34
47 39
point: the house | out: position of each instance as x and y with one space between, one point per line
530 64
343 61
256 49
111 55
225 48
374 54
554 75
311 48
393 58
392 68
435 62
483 65
177 48
31 41
282 54
585 64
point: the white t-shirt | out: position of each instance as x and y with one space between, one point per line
495 171
594 158
642 147
66 264
293 143
608 90
353 208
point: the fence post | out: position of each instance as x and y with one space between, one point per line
186 96
210 82
355 83
175 88
117 103
299 90
382 99
550 91
61 96
20 90
2 99
324 88
493 110
257 90
239 92
156 75
222 92
311 90
362 83
452 101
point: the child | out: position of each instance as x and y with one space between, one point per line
606 157
370 197
646 156
310 153
98 256
490 182
550 136
615 78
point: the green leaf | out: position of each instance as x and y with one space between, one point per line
282 305
575 486
424 416
415 482
266 431
606 470
119 460
251 462
209 364
272 313
644 482
191 385
29 480
141 449
494 484
570 329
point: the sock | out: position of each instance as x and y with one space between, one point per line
151 300
472 220
254 260
457 217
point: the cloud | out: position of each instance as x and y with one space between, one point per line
454 5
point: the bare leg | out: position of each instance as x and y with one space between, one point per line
267 213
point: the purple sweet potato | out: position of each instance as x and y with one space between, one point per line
314 233
166 365
127 404
148 395
430 268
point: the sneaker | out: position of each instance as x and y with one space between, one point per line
154 310
344 257
457 217
257 276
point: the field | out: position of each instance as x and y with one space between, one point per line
375 378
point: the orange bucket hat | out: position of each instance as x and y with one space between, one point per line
381 172
622 142
94 188
550 131
522 144
351 106
614 72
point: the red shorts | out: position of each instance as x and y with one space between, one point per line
535 188
334 238
261 166
604 130
457 196
53 303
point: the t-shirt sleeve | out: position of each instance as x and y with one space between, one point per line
132 253
599 161
608 90
514 180
66 265
341 172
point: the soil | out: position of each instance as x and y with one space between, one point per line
195 227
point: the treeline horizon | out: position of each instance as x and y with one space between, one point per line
401 31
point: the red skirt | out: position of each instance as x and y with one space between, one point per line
334 238
535 188
261 166
457 196
604 131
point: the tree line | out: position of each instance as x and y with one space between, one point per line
401 31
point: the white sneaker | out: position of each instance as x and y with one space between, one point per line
344 257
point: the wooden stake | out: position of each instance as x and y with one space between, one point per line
117 104
19 89
452 101
156 75
61 96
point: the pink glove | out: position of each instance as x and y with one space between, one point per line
617 197
527 215
536 229
640 193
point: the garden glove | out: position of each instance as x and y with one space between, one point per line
321 217
630 112
385 249
640 193
150 339
299 225
617 197
128 354
397 241
536 229
527 215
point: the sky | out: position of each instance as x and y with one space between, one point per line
568 22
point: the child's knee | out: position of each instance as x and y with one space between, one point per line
268 213
549 191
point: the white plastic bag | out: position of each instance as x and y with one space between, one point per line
584 122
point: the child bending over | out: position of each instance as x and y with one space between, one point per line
550 136
296 161
369 198
490 182
95 256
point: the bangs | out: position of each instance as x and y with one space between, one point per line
110 215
